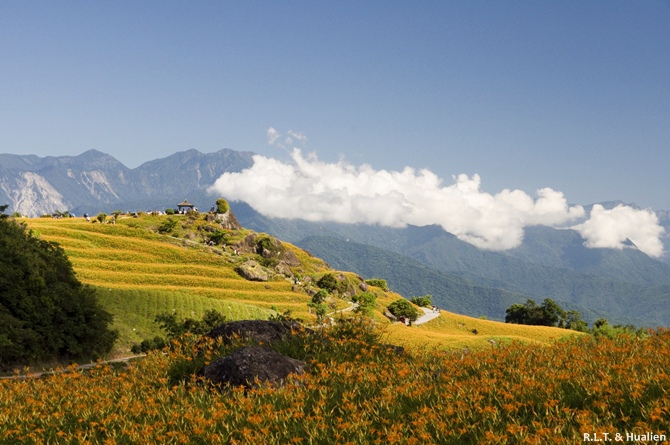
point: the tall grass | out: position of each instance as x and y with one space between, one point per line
358 391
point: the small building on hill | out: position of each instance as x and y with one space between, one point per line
184 206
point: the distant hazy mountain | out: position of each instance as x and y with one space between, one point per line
625 286
94 181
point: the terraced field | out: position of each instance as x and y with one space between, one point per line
141 274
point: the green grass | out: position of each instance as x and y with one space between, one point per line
135 310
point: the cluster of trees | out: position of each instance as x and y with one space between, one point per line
549 313
45 312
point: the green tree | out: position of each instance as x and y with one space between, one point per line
521 313
423 301
551 314
101 217
320 310
367 302
45 312
573 320
403 308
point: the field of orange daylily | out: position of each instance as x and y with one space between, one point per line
360 391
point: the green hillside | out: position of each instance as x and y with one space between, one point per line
141 273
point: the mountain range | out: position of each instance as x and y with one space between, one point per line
94 181
625 286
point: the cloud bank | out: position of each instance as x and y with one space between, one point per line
312 190
616 227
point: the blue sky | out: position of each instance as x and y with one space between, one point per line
570 95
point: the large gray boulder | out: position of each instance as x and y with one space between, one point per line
259 331
252 271
289 258
252 364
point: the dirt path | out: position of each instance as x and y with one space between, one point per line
428 315
62 370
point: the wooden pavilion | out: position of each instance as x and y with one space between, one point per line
184 206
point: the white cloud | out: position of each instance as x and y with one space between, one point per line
272 135
302 137
612 228
317 191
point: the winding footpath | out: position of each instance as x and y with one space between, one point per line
428 315
68 369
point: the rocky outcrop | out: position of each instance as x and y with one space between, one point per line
252 271
228 220
289 258
252 365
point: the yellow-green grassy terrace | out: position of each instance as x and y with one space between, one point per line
141 274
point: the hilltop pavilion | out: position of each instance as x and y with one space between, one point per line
184 206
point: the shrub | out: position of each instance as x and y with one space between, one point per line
169 211
403 308
147 345
101 217
328 282
167 226
218 236
175 328
222 206
378 282
320 296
